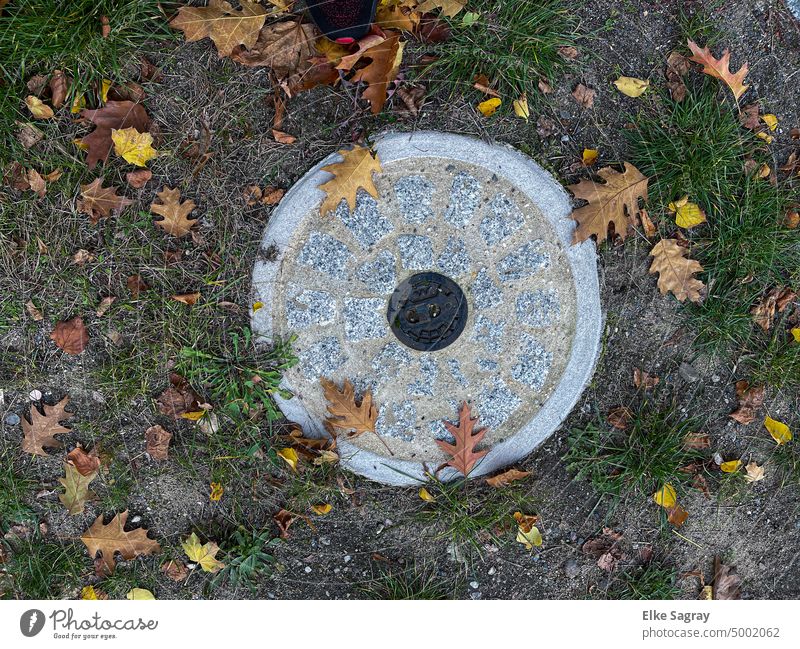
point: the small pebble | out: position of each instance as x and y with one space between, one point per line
34 395
12 419
474 584
492 570
347 558
571 569
324 540
688 373
476 594
307 569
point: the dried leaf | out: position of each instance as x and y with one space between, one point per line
584 96
286 47
642 379
720 68
100 202
205 554
283 138
117 115
157 441
354 172
187 298
619 417
697 441
38 108
463 456
521 108
777 299
589 157
112 538
39 430
139 178
139 594
677 515
136 285
76 489
85 463
71 335
216 492
780 432
220 22
676 271
385 58
176 221
132 146
345 413
175 570
506 478
448 8
322 509
727 584
750 400
33 312
289 455
631 86
613 202
284 519
179 398
754 472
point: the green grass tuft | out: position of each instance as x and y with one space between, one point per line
408 583
648 582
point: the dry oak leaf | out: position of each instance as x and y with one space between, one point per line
696 441
285 47
114 115
85 463
385 59
76 489
391 16
187 298
751 398
506 478
99 202
40 431
139 178
59 87
776 300
175 570
345 413
463 456
176 219
676 271
179 398
720 68
223 24
619 417
615 201
448 8
70 335
677 67
112 538
157 442
727 584
584 96
354 172
284 519
642 379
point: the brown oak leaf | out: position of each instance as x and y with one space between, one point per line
139 178
220 22
71 335
354 172
506 478
346 413
751 398
720 68
776 300
99 202
175 570
613 202
157 440
40 431
176 219
114 115
619 417
677 67
286 47
179 398
463 456
382 70
727 584
109 539
85 463
676 271
584 96
642 379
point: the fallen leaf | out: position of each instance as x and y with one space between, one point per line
777 299
289 455
132 146
448 8
139 594
112 538
284 519
175 570
272 195
795 331
321 510
85 463
770 120
179 398
606 548
205 554
385 58
346 414
642 379
483 84
28 135
105 86
286 47
70 335
33 312
780 432
527 532
727 584
187 298
59 86
506 478
220 22
589 157
584 96
754 472
157 441
544 87
619 417
687 214
568 52
677 515
697 441
90 593
139 178
720 68
463 456
676 271
176 221
38 108
413 98
76 489
631 86
731 466
117 115
283 138
750 400
425 495
36 183
489 107
677 68
354 172
104 306
521 108
100 202
216 492
39 430
666 496
613 202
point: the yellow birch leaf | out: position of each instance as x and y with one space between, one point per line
631 86
530 538
666 496
321 510
204 554
780 432
105 86
426 495
687 214
139 594
133 146
489 107
590 157
216 491
289 455
521 109
796 334
38 108
770 120
730 467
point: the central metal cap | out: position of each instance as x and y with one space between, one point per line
427 312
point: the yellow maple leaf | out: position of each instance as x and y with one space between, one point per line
38 108
666 496
687 214
289 455
204 554
322 509
133 146
140 594
730 467
631 86
780 432
521 108
489 107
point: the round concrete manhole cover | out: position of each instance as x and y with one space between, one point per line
459 283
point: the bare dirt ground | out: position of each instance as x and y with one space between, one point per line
375 528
